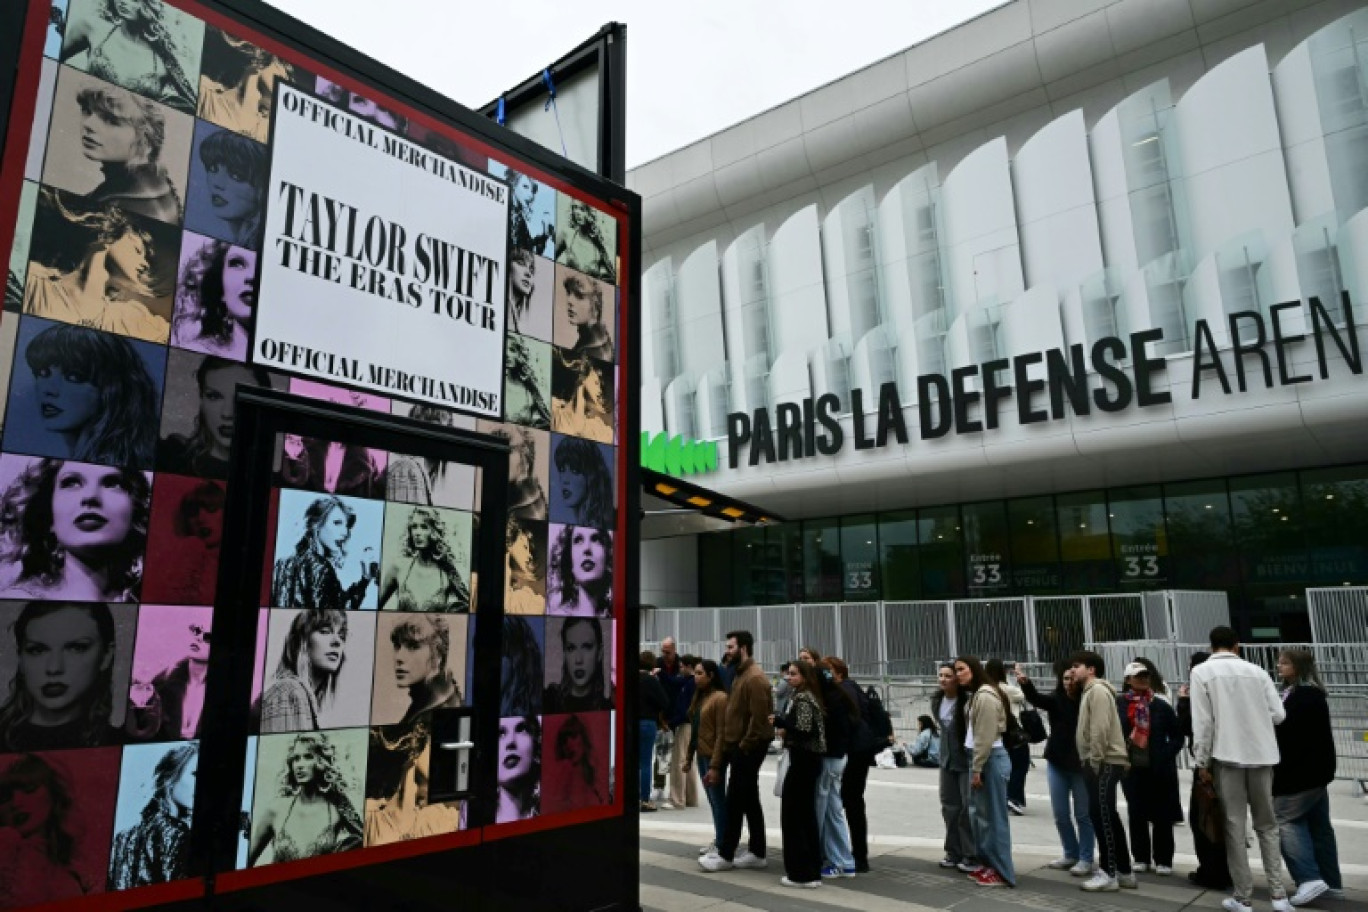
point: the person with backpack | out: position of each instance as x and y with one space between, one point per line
873 731
1154 739
1020 755
1102 751
989 717
1063 770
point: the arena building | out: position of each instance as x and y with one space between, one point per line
1068 299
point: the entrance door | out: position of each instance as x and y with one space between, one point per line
351 753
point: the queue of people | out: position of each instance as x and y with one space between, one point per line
1257 752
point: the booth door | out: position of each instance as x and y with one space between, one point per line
353 722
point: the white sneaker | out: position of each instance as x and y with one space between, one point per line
1231 904
1083 869
709 849
1101 882
1309 891
1140 868
746 859
1282 904
1062 864
1127 881
806 885
714 863
1163 870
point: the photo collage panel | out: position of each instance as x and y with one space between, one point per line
127 329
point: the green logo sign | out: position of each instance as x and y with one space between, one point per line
677 456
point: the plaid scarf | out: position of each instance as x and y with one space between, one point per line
1138 711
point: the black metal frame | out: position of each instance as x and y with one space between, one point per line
606 51
262 415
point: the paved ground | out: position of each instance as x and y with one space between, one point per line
905 844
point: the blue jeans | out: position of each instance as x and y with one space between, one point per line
1308 841
831 818
988 811
646 757
1064 786
717 798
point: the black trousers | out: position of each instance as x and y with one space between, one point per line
798 817
1147 851
1113 857
743 803
853 797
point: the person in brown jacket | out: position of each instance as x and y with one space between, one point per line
1102 751
746 736
707 717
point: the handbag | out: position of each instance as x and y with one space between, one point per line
1205 812
1034 725
1015 736
780 773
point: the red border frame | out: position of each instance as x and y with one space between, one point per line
17 138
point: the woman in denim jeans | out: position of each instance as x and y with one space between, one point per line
651 703
988 712
706 713
955 760
1063 770
1306 745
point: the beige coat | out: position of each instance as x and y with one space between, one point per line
987 720
1099 727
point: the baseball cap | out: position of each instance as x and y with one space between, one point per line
1135 668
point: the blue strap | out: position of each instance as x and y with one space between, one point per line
551 103
500 114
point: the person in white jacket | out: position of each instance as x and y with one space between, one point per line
1234 709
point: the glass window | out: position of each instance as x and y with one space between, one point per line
1034 544
1335 506
1084 543
1201 537
821 560
1139 542
860 558
901 573
749 578
1268 529
987 548
714 569
940 549
784 547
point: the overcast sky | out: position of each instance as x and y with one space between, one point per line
692 68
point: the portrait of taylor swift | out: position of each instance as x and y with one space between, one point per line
581 396
185 540
72 530
199 414
116 148
307 794
530 294
419 666
101 268
56 813
586 239
170 673
144 46
527 467
397 779
227 196
327 552
577 666
532 212
527 382
152 823
427 559
237 84
83 394
215 298
66 667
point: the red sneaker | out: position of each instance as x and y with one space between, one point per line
989 878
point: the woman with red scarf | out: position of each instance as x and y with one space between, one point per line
1154 737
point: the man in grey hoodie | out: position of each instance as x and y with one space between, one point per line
1102 750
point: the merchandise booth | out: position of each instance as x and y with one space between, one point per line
318 481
